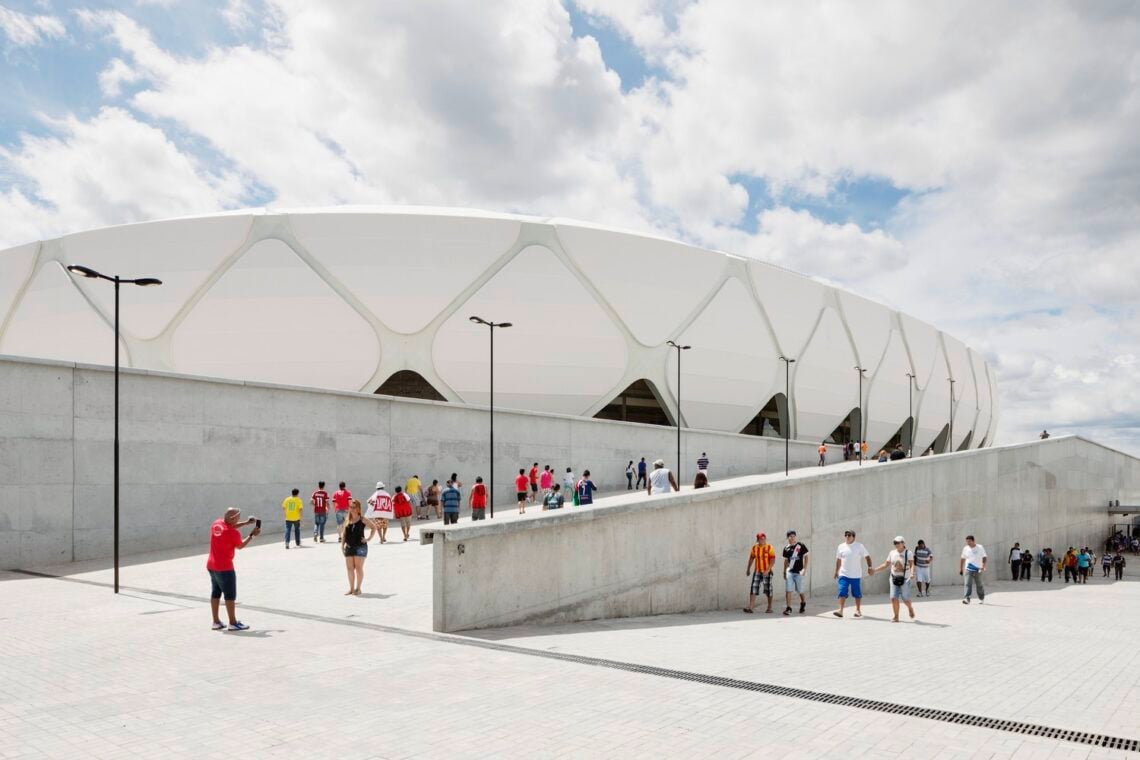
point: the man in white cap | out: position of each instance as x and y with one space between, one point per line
901 563
661 481
380 510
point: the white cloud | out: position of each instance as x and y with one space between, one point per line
111 169
23 30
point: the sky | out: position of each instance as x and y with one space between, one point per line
975 164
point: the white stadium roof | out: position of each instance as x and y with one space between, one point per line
347 297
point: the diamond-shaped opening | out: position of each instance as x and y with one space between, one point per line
409 384
640 402
847 430
965 446
769 421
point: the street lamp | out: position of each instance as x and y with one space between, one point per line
141 282
910 408
679 348
787 406
491 326
950 437
859 443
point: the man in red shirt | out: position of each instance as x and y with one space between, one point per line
533 482
320 502
521 490
478 499
225 538
341 499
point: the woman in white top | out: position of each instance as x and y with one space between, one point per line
661 481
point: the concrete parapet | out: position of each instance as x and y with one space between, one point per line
637 555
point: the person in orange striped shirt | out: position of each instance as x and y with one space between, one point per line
760 561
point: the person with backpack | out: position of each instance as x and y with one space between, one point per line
901 562
553 499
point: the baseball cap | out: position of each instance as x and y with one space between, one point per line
659 463
790 533
379 483
760 535
899 539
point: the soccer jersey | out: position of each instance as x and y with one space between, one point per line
320 501
762 555
292 507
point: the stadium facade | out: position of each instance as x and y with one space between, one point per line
379 300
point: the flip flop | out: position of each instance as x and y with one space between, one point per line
858 614
837 614
747 610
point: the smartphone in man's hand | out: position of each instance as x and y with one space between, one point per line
257 523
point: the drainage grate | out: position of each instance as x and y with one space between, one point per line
945 716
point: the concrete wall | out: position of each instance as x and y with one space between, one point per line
191 446
688 551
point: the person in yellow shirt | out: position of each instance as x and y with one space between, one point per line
414 489
760 561
292 507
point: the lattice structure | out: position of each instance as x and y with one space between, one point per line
345 298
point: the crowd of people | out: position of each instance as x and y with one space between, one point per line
853 451
910 570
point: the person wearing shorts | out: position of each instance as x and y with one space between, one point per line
521 484
433 494
341 499
901 564
923 559
225 539
795 570
402 509
849 559
355 547
477 499
760 561
534 482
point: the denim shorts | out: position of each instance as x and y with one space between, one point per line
901 592
855 585
794 583
360 551
223 583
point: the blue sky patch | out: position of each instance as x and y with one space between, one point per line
620 55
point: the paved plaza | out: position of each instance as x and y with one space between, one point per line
88 674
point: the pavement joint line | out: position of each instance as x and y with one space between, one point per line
945 716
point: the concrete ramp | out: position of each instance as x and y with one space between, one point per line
635 555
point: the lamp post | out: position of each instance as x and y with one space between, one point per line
491 326
141 282
859 443
787 406
910 409
679 348
950 436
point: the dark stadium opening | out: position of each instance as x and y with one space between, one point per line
966 441
982 445
640 402
769 420
901 437
940 443
409 384
848 430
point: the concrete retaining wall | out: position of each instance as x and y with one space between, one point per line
685 552
192 446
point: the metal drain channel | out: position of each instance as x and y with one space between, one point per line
945 716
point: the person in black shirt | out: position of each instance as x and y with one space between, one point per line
795 571
898 453
355 547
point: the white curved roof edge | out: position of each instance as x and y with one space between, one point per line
473 213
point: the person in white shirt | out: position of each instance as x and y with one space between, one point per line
901 563
661 481
972 565
849 559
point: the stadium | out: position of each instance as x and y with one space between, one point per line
380 299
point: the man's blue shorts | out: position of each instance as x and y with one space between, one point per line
855 585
